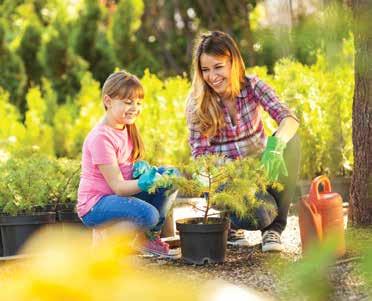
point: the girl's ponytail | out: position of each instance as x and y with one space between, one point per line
138 147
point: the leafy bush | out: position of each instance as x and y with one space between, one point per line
28 49
66 71
32 181
12 131
64 183
321 97
73 121
162 122
324 29
13 76
90 40
230 185
22 186
38 133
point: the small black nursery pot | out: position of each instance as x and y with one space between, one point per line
203 243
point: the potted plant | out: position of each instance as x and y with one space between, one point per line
228 186
63 185
23 200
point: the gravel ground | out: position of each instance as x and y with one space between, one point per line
249 267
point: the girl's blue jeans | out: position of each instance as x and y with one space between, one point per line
145 210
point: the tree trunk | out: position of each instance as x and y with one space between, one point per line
360 213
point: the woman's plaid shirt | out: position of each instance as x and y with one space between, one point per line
247 137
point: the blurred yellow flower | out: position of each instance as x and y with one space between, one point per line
68 267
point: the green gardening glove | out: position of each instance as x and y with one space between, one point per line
272 158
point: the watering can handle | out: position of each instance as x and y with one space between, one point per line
314 189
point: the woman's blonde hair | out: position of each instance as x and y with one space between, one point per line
123 85
203 108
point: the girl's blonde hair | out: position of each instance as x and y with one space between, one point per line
203 108
123 85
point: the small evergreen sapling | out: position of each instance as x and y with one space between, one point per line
227 185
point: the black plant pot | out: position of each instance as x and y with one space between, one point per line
341 185
68 216
15 230
203 243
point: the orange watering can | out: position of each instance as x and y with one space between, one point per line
320 215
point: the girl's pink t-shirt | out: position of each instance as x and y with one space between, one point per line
103 145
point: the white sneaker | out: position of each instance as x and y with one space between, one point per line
271 241
237 238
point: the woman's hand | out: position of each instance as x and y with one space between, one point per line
272 158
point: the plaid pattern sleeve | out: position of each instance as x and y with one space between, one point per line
269 101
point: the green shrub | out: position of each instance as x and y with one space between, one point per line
51 100
32 181
28 49
229 185
12 131
90 110
91 43
64 183
86 31
60 64
321 97
22 187
131 52
162 121
13 76
63 121
38 133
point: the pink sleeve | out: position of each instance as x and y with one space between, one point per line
102 150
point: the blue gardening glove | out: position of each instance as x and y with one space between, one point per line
272 158
171 172
148 178
139 168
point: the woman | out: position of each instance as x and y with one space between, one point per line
223 114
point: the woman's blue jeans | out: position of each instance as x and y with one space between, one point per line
146 211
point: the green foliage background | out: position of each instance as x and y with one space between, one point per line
55 55
320 95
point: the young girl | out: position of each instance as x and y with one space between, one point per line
108 190
223 114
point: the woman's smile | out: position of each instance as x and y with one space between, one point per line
216 71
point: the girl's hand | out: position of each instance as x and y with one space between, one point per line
148 178
169 171
139 168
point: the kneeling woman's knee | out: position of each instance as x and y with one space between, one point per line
267 211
